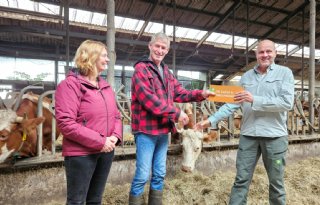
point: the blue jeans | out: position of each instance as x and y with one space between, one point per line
87 177
151 155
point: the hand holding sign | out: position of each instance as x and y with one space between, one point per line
244 96
225 93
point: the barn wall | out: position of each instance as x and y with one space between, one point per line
208 162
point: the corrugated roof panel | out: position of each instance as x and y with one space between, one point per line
222 38
98 18
49 8
307 53
281 48
72 14
227 40
181 32
132 24
25 5
241 41
83 16
10 3
154 27
213 37
118 21
317 53
195 34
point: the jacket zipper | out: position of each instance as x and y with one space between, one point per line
106 108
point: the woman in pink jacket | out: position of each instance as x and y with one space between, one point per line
90 122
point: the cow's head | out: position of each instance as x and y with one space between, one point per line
191 148
12 133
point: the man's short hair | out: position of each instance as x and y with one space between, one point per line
160 36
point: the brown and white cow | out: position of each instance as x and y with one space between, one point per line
18 133
192 140
192 146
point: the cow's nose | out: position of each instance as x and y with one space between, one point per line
186 168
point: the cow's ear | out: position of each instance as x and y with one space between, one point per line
39 120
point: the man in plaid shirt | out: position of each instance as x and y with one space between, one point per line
154 91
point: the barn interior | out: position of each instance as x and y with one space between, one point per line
212 42
216 38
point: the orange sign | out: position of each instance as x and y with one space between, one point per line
224 93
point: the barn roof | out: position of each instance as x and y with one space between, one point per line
205 30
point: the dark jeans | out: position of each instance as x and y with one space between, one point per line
87 177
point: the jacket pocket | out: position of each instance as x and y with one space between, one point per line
273 86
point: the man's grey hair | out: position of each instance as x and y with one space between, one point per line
160 36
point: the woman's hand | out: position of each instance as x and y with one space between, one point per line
110 144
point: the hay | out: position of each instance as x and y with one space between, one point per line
47 187
302 184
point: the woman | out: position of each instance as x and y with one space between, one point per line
90 122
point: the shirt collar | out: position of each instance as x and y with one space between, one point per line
271 67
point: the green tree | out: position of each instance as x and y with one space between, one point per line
24 76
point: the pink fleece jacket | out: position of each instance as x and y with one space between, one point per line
86 115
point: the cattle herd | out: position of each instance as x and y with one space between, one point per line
20 120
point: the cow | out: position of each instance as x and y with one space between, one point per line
191 140
18 133
192 145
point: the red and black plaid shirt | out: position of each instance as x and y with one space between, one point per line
153 111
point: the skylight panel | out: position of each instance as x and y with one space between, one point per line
228 40
4 3
154 27
83 16
189 74
189 33
222 38
195 34
10 3
118 21
236 78
49 8
98 18
169 30
317 53
72 14
218 77
282 48
213 37
132 24
181 32
25 5
242 41
307 53
299 52
139 25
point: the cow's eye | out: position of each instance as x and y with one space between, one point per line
3 137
